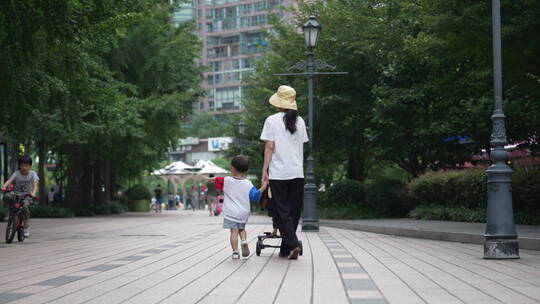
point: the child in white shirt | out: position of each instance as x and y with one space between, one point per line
238 192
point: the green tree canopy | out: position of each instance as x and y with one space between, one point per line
420 73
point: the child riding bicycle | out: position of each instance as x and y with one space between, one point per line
25 182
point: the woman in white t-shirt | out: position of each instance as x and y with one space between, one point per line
284 134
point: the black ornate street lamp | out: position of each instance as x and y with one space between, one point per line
241 131
501 238
310 220
311 30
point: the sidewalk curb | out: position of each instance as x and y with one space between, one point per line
471 238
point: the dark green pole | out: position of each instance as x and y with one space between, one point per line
501 237
310 221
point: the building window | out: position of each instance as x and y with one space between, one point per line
216 66
227 98
217 52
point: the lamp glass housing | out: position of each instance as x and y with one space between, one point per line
311 29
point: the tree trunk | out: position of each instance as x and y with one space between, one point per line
107 179
356 165
98 183
73 187
41 170
86 181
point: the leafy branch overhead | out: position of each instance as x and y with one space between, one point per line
419 73
103 84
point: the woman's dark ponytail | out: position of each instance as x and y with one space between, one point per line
290 120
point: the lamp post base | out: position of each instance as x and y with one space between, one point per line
501 249
310 225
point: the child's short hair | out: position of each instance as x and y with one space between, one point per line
25 159
240 163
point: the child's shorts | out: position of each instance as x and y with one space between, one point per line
228 224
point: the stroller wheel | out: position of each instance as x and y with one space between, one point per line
258 248
301 248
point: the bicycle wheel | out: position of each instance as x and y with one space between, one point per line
20 232
10 229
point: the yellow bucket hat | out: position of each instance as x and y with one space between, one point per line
284 98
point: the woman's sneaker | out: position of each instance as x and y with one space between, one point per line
245 249
235 255
294 253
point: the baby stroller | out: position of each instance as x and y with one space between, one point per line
266 204
270 235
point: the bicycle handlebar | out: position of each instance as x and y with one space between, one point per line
10 188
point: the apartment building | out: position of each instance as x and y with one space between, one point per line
233 34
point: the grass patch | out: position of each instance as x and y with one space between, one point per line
448 213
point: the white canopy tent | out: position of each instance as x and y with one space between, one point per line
178 173
208 167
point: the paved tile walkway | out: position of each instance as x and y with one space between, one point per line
181 257
529 236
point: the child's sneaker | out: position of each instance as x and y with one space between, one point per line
245 249
235 255
26 232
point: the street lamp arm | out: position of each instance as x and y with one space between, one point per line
299 66
317 64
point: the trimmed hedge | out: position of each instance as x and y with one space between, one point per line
344 193
112 207
526 192
84 211
37 211
462 195
139 206
122 199
386 197
449 213
138 192
465 188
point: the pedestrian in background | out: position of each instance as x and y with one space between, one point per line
194 193
211 196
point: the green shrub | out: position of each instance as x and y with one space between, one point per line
448 213
139 205
112 207
527 218
450 188
526 191
138 192
84 211
122 199
386 197
102 209
345 192
116 207
37 211
468 188
2 214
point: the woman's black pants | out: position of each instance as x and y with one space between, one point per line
287 206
